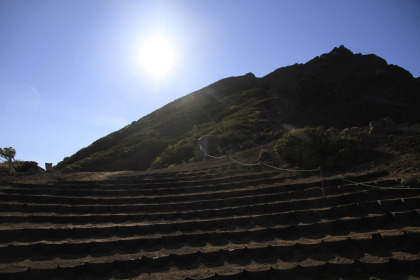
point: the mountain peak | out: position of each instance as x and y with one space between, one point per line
336 53
340 52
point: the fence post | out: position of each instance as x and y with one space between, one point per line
322 182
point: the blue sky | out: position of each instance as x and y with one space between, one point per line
70 71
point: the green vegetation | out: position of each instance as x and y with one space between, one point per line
264 155
7 153
246 111
312 147
183 151
4 166
231 109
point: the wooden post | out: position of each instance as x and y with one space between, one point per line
322 182
10 164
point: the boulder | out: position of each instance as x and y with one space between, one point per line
384 126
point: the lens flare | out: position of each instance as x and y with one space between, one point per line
157 56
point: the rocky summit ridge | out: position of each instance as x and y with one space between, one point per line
339 89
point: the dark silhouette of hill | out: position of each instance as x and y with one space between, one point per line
338 89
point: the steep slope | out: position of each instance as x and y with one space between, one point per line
336 89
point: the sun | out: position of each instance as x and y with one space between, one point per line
157 56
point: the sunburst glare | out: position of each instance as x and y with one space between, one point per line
157 56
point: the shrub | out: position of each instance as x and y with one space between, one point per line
229 139
174 154
16 164
264 155
313 147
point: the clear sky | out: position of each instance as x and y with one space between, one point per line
73 71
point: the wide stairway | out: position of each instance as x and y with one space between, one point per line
225 222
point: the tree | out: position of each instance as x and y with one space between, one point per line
9 154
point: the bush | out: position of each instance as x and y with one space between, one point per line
16 164
174 154
229 139
312 147
264 155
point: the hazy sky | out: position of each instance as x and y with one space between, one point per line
72 71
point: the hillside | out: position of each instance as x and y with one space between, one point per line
338 89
